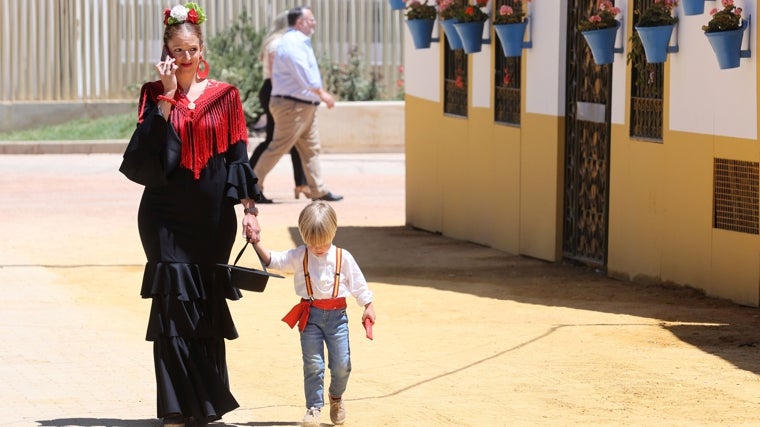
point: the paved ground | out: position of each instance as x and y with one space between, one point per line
466 335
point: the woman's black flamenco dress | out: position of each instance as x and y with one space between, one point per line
187 226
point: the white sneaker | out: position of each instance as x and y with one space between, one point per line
311 419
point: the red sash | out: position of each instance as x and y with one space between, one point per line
299 314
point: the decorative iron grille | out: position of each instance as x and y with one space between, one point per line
507 80
587 146
507 88
454 78
455 82
736 196
647 86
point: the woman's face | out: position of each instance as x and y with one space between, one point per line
186 49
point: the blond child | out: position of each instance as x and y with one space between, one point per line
323 276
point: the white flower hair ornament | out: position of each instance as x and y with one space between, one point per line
189 12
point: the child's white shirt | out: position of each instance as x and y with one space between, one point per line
322 273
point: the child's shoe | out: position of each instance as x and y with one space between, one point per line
337 410
311 419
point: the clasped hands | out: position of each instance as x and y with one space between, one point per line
251 229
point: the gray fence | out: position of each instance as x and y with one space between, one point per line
69 50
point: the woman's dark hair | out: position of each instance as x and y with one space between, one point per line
295 13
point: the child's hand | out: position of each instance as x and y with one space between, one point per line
368 319
368 327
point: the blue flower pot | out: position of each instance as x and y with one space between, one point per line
422 32
451 34
511 37
471 34
602 43
397 4
727 46
693 7
655 41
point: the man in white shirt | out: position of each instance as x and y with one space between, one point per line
296 94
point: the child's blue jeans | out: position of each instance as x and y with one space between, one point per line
330 328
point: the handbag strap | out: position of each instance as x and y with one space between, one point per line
237 258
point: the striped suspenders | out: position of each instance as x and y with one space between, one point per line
307 278
299 314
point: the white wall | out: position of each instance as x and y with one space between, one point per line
545 61
703 98
422 77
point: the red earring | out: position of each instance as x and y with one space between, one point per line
203 69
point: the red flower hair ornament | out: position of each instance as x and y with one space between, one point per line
189 12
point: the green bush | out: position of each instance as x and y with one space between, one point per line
233 56
347 82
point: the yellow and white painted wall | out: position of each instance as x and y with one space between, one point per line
502 186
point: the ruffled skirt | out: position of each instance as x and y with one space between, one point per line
188 324
186 228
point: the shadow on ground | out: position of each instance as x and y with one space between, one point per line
116 422
92 422
406 256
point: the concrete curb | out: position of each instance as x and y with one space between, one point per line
63 147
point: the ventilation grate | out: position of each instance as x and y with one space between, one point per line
736 195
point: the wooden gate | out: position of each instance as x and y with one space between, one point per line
587 146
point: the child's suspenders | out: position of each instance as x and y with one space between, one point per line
307 278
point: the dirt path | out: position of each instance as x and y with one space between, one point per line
466 335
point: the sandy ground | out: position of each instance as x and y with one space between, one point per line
466 335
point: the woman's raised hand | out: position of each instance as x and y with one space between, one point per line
167 73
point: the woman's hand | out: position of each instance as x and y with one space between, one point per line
167 73
251 228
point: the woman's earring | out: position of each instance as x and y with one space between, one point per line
203 69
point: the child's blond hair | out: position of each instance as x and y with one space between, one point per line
317 223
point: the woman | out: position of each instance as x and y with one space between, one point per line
268 49
188 223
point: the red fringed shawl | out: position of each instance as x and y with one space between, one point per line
216 122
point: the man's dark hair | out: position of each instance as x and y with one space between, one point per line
295 13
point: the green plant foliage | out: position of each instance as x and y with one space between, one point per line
658 14
417 10
233 56
727 19
636 54
474 12
449 9
514 14
348 82
603 18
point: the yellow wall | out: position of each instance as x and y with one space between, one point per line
542 182
502 186
471 179
661 213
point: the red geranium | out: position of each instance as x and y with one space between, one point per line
474 12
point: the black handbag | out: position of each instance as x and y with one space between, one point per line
146 160
248 279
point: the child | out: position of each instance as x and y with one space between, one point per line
324 275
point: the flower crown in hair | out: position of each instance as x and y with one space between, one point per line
190 12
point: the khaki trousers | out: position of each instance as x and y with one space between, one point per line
295 126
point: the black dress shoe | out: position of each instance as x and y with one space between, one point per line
264 200
329 197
